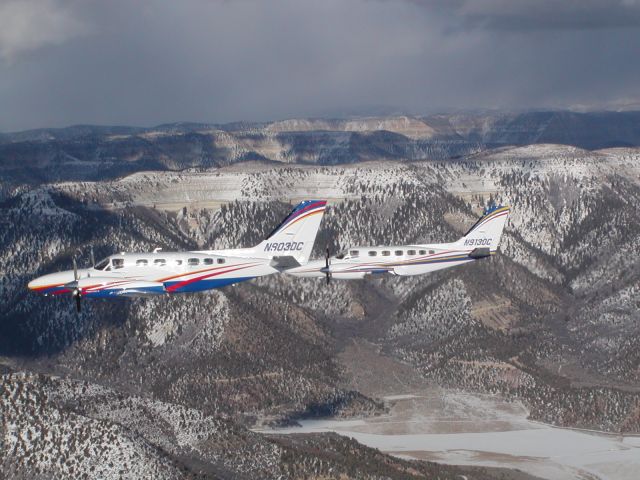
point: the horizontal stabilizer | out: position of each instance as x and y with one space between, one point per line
480 252
284 263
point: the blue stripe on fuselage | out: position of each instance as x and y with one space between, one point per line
380 270
117 292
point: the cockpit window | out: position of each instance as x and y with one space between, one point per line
354 253
341 255
117 263
102 264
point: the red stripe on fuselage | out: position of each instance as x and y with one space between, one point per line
184 274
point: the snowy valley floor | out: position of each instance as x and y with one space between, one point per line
471 429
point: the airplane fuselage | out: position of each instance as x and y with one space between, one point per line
398 260
141 274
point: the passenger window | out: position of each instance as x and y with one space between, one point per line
373 253
422 252
159 262
221 260
102 264
431 252
193 261
117 263
386 253
208 261
354 253
398 253
141 263
411 252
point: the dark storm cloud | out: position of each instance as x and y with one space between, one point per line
120 62
523 15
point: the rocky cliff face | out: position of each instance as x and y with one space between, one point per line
96 153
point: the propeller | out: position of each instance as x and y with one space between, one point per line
326 267
76 291
78 298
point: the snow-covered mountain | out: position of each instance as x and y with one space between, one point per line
171 383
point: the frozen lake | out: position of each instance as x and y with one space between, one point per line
464 429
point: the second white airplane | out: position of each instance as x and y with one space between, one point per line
479 242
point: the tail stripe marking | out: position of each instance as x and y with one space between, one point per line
290 220
483 220
489 219
320 210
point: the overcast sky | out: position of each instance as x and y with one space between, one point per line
65 62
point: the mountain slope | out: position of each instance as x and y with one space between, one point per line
551 321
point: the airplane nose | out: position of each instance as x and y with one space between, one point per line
38 283
51 281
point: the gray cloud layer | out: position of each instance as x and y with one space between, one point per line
523 15
120 62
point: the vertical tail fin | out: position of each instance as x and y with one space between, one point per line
487 231
295 236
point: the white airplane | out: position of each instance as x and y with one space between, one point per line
480 241
157 273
